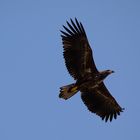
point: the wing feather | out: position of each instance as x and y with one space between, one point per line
101 102
77 52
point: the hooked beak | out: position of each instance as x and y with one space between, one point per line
111 71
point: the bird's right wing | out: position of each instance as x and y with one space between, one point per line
102 103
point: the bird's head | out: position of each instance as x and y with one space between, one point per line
105 73
109 71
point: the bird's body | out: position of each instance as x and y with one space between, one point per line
89 81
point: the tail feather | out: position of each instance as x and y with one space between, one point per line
68 91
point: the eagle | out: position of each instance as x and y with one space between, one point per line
88 79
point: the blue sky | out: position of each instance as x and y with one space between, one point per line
32 69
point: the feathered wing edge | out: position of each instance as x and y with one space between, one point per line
74 29
105 107
77 52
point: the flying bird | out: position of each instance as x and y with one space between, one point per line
88 80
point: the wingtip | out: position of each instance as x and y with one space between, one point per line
76 19
61 31
112 116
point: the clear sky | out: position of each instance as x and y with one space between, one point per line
32 69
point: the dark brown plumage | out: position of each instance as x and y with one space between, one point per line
89 81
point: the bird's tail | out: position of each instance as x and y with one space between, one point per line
68 91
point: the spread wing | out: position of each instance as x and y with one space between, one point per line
101 102
77 51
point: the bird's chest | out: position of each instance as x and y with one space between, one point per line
90 84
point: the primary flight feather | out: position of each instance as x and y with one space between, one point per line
89 81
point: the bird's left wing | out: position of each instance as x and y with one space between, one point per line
77 51
102 103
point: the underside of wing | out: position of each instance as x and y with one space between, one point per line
77 52
102 103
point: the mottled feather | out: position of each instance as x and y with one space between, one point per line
77 51
102 104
